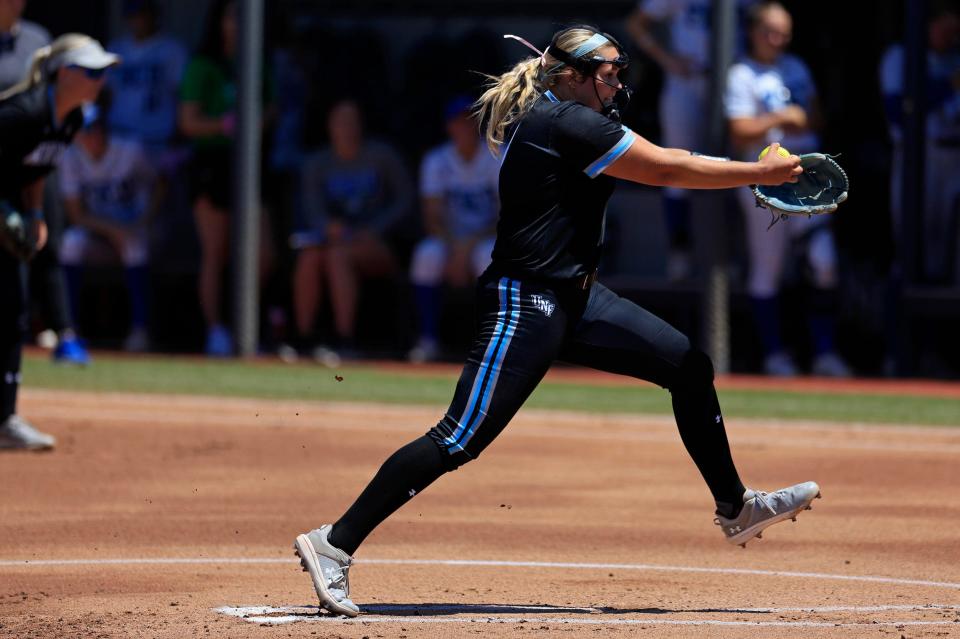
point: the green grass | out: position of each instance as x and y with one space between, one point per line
273 380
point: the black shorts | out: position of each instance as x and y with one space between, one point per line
211 176
523 326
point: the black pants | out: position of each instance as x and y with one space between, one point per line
49 288
523 327
13 325
47 283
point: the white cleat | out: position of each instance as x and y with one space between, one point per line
329 570
17 434
761 510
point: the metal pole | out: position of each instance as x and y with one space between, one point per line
914 138
247 175
913 158
716 293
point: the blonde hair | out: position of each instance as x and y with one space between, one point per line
509 96
39 69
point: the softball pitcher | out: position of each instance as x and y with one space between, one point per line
554 121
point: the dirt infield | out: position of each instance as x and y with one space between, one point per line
164 516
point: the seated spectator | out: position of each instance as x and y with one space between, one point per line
770 97
207 116
109 194
459 201
354 193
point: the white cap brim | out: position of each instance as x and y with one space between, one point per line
89 56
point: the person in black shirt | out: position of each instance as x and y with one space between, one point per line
554 122
38 118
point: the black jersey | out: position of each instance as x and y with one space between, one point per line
30 142
553 196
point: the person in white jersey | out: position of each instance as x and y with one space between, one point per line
941 231
459 202
109 194
686 63
770 97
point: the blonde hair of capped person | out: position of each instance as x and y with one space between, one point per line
47 60
511 94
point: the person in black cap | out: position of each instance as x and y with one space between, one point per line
39 117
554 121
19 40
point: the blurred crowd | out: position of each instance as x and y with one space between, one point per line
396 219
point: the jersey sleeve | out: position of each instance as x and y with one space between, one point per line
588 140
799 80
891 71
42 34
68 174
891 87
738 100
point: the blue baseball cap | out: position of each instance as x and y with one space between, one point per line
460 105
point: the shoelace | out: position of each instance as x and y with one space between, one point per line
761 497
341 580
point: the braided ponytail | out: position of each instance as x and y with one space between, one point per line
510 95
507 98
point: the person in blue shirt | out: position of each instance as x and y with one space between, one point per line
940 258
770 97
145 90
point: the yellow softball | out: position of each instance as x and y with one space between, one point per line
782 152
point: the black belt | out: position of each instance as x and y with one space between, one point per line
579 283
584 282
